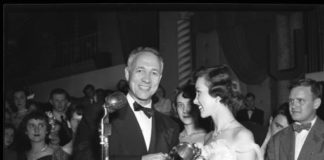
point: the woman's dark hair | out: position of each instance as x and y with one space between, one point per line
22 138
283 110
219 81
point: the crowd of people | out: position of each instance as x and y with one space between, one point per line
210 112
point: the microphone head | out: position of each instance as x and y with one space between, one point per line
115 101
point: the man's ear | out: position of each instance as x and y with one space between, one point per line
317 103
127 73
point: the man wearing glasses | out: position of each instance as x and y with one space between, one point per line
304 139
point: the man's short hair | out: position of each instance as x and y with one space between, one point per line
250 95
138 50
87 87
60 91
306 82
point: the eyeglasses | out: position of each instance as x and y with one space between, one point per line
297 101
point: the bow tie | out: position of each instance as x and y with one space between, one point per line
299 127
147 111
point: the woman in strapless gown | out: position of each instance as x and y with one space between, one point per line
216 96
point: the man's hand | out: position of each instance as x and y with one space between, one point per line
155 156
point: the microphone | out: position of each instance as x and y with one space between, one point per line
115 101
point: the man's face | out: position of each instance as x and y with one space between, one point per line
59 102
144 76
249 102
90 92
302 104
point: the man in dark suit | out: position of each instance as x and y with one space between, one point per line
304 139
250 113
138 132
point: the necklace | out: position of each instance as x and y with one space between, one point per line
41 150
217 133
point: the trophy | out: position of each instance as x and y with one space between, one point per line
184 151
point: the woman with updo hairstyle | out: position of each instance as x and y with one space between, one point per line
217 95
34 132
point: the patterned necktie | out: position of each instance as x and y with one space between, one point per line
299 127
147 111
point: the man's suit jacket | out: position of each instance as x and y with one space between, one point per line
282 145
257 116
127 141
86 144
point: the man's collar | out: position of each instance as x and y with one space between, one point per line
131 100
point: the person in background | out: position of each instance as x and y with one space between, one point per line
60 101
35 128
74 116
89 92
21 105
304 139
215 98
279 120
250 112
189 115
8 140
161 103
122 86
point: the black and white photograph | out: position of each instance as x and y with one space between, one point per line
163 81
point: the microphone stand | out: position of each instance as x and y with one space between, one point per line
113 102
105 131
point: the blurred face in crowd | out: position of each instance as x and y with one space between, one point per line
8 137
59 102
36 130
90 92
184 108
74 122
278 123
207 104
249 101
20 99
144 75
302 104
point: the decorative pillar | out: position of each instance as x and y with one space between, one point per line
184 48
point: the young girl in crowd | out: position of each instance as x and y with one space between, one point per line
21 105
189 116
8 140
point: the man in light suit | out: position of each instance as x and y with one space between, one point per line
138 132
304 139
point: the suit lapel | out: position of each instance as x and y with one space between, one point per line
312 143
153 135
134 140
287 146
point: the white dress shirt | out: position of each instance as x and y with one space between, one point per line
144 122
300 139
